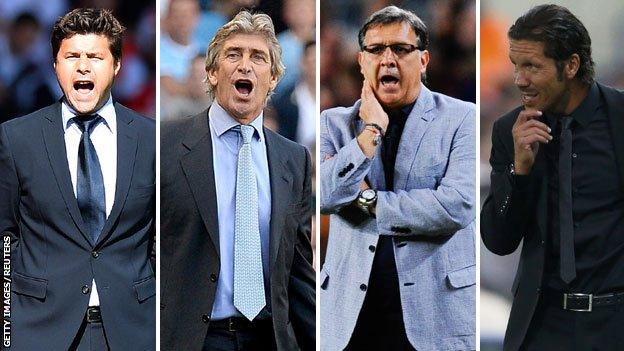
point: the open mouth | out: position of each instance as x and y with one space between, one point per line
528 97
83 86
389 80
243 86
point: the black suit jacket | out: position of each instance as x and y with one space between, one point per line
510 215
190 238
53 258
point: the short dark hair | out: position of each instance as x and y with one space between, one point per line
88 21
562 34
393 14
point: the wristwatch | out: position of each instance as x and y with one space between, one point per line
366 200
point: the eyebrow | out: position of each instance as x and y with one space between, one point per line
241 49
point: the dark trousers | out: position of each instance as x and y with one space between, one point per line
380 323
553 328
260 338
90 337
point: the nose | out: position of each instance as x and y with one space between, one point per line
388 58
84 65
244 65
520 79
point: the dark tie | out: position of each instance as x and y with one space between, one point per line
90 182
566 226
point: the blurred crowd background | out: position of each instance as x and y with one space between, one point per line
451 70
188 26
499 95
27 79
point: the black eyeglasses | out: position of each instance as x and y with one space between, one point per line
398 49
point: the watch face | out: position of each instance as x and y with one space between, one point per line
368 194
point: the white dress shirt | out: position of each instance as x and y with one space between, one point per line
104 139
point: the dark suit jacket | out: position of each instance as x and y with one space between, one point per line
510 214
190 238
53 257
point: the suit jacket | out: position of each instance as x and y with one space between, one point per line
430 214
190 238
53 257
510 215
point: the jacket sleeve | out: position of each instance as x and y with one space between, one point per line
302 289
9 190
342 170
440 211
505 212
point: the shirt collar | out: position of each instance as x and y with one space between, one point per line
107 112
584 112
221 121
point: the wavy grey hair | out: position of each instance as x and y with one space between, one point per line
245 23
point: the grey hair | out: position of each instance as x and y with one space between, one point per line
245 23
393 14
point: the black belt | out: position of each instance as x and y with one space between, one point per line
93 315
583 302
237 323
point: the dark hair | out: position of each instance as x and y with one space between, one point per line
88 21
393 14
562 34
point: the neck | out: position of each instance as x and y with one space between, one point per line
574 96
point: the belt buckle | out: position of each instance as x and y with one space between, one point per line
590 298
231 326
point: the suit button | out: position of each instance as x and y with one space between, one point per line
213 277
401 244
205 318
372 248
95 254
542 242
363 287
85 289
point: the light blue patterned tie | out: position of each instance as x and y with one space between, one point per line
248 278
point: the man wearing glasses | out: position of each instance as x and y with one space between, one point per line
397 178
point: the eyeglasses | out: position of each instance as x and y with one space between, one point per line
398 49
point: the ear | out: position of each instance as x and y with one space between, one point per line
360 58
272 83
117 67
212 77
572 66
424 61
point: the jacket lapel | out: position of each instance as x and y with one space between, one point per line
280 179
197 166
415 127
54 139
615 113
126 155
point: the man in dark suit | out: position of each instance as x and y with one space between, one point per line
235 210
557 184
77 202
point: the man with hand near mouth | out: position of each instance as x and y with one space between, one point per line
397 177
557 184
235 202
77 200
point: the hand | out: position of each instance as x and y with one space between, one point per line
527 133
371 110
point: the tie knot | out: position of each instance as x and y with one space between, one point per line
565 122
247 132
87 122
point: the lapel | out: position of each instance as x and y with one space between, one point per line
281 180
541 183
415 127
197 165
615 113
126 155
54 140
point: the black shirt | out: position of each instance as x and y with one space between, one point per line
597 202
